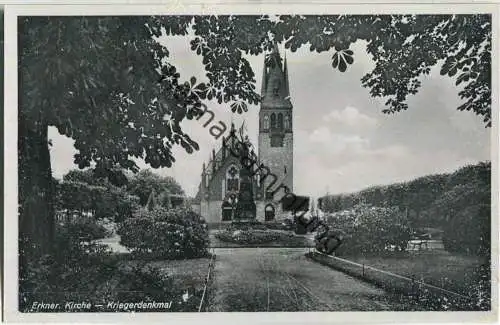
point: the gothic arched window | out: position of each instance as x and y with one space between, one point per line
266 122
287 122
273 121
232 179
280 121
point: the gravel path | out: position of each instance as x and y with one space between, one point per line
283 279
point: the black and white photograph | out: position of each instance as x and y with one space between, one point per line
218 162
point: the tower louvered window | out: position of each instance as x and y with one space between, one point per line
273 121
266 122
280 121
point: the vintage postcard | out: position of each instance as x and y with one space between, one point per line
251 163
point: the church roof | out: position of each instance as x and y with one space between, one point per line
219 158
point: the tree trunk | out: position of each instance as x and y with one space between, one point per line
36 190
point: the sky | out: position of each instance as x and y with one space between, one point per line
342 140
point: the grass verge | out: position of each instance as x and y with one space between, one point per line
465 275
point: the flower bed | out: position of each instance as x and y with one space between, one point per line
265 237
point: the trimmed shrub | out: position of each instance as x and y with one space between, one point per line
83 229
167 234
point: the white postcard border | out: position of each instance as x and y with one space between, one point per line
178 7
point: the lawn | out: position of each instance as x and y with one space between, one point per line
187 274
187 279
437 267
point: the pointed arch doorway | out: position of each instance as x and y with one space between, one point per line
269 212
227 211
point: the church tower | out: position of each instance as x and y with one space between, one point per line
276 129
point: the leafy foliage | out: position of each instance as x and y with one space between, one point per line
145 182
404 47
82 191
459 203
466 207
97 80
418 196
98 176
84 229
121 80
164 233
370 230
82 176
67 274
81 196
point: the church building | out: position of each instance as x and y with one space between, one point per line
220 177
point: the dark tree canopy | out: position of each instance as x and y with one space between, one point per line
106 82
146 182
84 191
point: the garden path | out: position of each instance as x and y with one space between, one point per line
283 279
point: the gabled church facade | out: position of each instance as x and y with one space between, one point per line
220 177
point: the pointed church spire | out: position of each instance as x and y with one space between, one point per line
285 72
275 93
264 79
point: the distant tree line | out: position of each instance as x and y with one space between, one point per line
87 192
458 203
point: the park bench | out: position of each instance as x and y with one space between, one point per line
420 241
